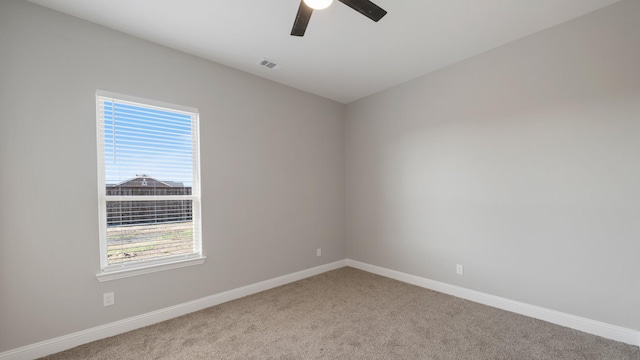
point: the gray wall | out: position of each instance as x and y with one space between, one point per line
522 164
272 174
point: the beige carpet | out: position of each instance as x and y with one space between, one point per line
351 314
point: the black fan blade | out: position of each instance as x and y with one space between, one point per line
366 8
302 19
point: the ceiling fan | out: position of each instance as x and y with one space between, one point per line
364 7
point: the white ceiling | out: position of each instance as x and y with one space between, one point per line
343 56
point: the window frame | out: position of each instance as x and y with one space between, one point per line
127 269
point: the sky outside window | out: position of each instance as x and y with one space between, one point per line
139 140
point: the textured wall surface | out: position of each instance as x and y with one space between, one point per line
520 164
272 161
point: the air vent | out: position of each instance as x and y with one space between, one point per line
268 64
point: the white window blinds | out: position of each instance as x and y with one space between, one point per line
148 182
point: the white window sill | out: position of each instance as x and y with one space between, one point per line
129 272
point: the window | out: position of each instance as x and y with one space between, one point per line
148 186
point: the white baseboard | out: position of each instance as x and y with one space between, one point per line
594 327
65 342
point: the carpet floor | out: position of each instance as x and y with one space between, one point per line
352 314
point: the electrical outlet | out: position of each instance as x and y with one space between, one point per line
319 252
459 269
108 299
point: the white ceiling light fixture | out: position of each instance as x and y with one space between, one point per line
364 7
318 4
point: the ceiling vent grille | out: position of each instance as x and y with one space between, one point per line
268 64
